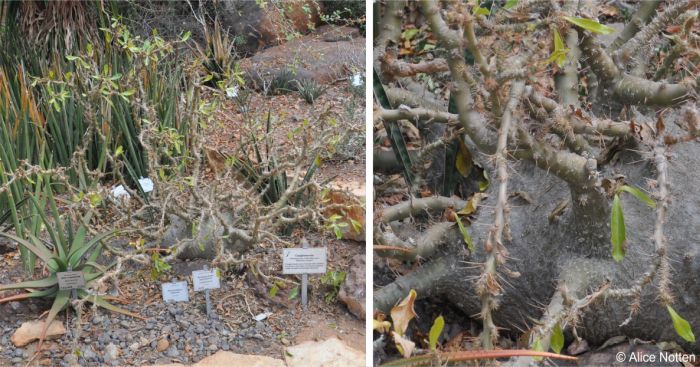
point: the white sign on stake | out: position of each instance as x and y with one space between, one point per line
304 260
175 292
70 280
205 279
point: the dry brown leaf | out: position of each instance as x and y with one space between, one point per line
404 345
402 314
473 203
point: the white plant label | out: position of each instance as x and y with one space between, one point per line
70 280
205 279
175 292
304 260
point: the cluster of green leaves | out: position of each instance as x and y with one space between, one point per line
309 90
67 250
333 279
560 51
86 103
158 266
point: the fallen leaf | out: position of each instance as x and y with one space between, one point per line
473 203
402 314
404 345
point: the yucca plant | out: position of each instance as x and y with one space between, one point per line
218 57
67 250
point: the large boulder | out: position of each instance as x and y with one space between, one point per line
325 56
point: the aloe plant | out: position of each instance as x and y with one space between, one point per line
66 250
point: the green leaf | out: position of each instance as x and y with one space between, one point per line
59 303
186 36
398 144
465 234
409 33
639 194
557 340
99 301
293 293
559 54
590 25
435 332
42 252
617 230
480 11
273 291
682 327
537 347
510 4
41 283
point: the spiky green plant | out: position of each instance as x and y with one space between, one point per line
263 172
66 250
283 82
309 89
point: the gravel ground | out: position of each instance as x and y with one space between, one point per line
182 330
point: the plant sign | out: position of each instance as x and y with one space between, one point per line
205 280
70 279
304 261
175 292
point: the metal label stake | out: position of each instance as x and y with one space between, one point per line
304 281
207 297
304 261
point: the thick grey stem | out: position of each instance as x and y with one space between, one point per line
425 281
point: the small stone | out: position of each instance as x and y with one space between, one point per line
225 346
96 320
88 354
45 362
212 347
17 360
125 324
284 341
172 352
31 330
258 336
135 346
200 329
162 345
19 352
111 353
15 306
259 325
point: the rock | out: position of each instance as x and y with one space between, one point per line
31 330
88 354
172 352
162 345
352 292
330 353
268 24
19 352
111 353
310 57
350 211
212 348
230 359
